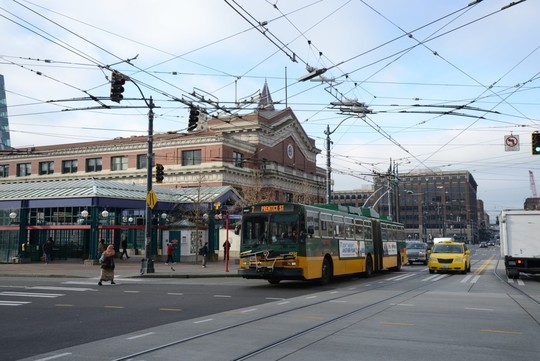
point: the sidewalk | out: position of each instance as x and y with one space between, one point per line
124 268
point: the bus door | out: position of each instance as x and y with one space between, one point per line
377 246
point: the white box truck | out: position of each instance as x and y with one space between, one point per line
520 241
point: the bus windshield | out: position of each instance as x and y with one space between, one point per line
270 229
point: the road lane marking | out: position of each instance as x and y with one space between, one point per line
132 291
402 304
175 294
504 331
249 310
139 336
222 296
63 305
171 309
484 265
478 309
203 321
113 306
54 356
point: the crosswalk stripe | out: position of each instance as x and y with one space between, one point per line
53 288
13 303
31 294
401 277
434 278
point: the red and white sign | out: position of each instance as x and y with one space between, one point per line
511 143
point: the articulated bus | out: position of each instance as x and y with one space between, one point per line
288 241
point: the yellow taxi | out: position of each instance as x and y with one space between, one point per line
449 256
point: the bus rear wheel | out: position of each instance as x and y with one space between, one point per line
274 282
369 267
327 273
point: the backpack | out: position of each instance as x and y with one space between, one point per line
201 251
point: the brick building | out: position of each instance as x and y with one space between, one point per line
264 155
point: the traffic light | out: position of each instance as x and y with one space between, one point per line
194 114
535 137
160 174
117 86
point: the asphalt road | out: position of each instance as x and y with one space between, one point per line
58 313
54 314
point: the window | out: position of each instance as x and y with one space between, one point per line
69 166
141 161
46 168
24 169
119 163
238 159
191 157
4 171
94 164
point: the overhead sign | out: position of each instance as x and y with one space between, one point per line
511 143
151 199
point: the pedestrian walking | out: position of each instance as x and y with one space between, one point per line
107 265
203 251
170 259
25 247
47 250
124 249
226 248
101 248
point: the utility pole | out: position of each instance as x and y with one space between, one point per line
352 108
328 166
147 265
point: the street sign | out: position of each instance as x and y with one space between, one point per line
151 199
511 143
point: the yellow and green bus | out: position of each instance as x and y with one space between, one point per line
289 241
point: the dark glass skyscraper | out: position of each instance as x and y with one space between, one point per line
5 141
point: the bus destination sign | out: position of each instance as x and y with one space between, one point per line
271 208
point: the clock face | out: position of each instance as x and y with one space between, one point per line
290 151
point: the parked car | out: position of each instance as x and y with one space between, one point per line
417 252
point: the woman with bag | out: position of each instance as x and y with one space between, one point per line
107 265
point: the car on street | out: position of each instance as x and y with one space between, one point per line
417 251
449 256
483 244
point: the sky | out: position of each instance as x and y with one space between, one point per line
444 82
